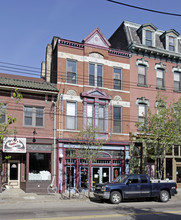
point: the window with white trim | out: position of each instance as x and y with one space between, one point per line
148 38
142 74
117 77
71 71
171 43
142 113
2 113
33 116
90 115
160 78
71 116
95 75
101 121
117 119
177 81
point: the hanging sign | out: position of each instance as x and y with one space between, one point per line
14 145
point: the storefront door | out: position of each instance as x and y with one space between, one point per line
70 177
14 173
178 175
100 175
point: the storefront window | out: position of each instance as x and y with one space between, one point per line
39 166
70 152
169 168
169 151
95 176
105 174
176 150
70 177
116 173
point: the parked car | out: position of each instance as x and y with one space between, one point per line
135 186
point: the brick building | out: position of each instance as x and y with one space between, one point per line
93 82
31 144
155 66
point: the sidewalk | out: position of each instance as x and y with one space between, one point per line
19 196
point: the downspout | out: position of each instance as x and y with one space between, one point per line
54 144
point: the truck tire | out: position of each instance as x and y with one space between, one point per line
164 196
115 197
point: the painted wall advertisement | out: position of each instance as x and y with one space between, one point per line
14 145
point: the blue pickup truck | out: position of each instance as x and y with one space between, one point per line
135 186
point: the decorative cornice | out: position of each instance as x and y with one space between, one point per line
81 46
70 43
154 52
119 53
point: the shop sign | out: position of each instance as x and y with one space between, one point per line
14 145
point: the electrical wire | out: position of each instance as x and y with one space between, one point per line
145 9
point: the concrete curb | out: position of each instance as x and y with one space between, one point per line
22 197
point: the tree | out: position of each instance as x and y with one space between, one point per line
90 147
4 126
159 132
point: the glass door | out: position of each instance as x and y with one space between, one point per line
69 177
14 174
100 175
95 176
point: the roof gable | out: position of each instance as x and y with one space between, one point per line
170 32
96 93
96 38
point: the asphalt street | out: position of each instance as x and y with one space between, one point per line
56 209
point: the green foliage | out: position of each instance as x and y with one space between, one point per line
17 95
162 130
4 127
90 146
8 157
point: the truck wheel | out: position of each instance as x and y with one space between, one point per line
164 196
115 197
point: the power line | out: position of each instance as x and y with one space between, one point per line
145 9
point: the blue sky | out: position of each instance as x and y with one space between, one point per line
27 26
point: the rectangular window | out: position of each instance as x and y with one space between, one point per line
40 166
90 113
142 109
2 113
177 81
171 44
117 75
160 78
148 39
101 118
33 116
95 75
117 119
99 75
39 116
71 116
141 75
71 71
